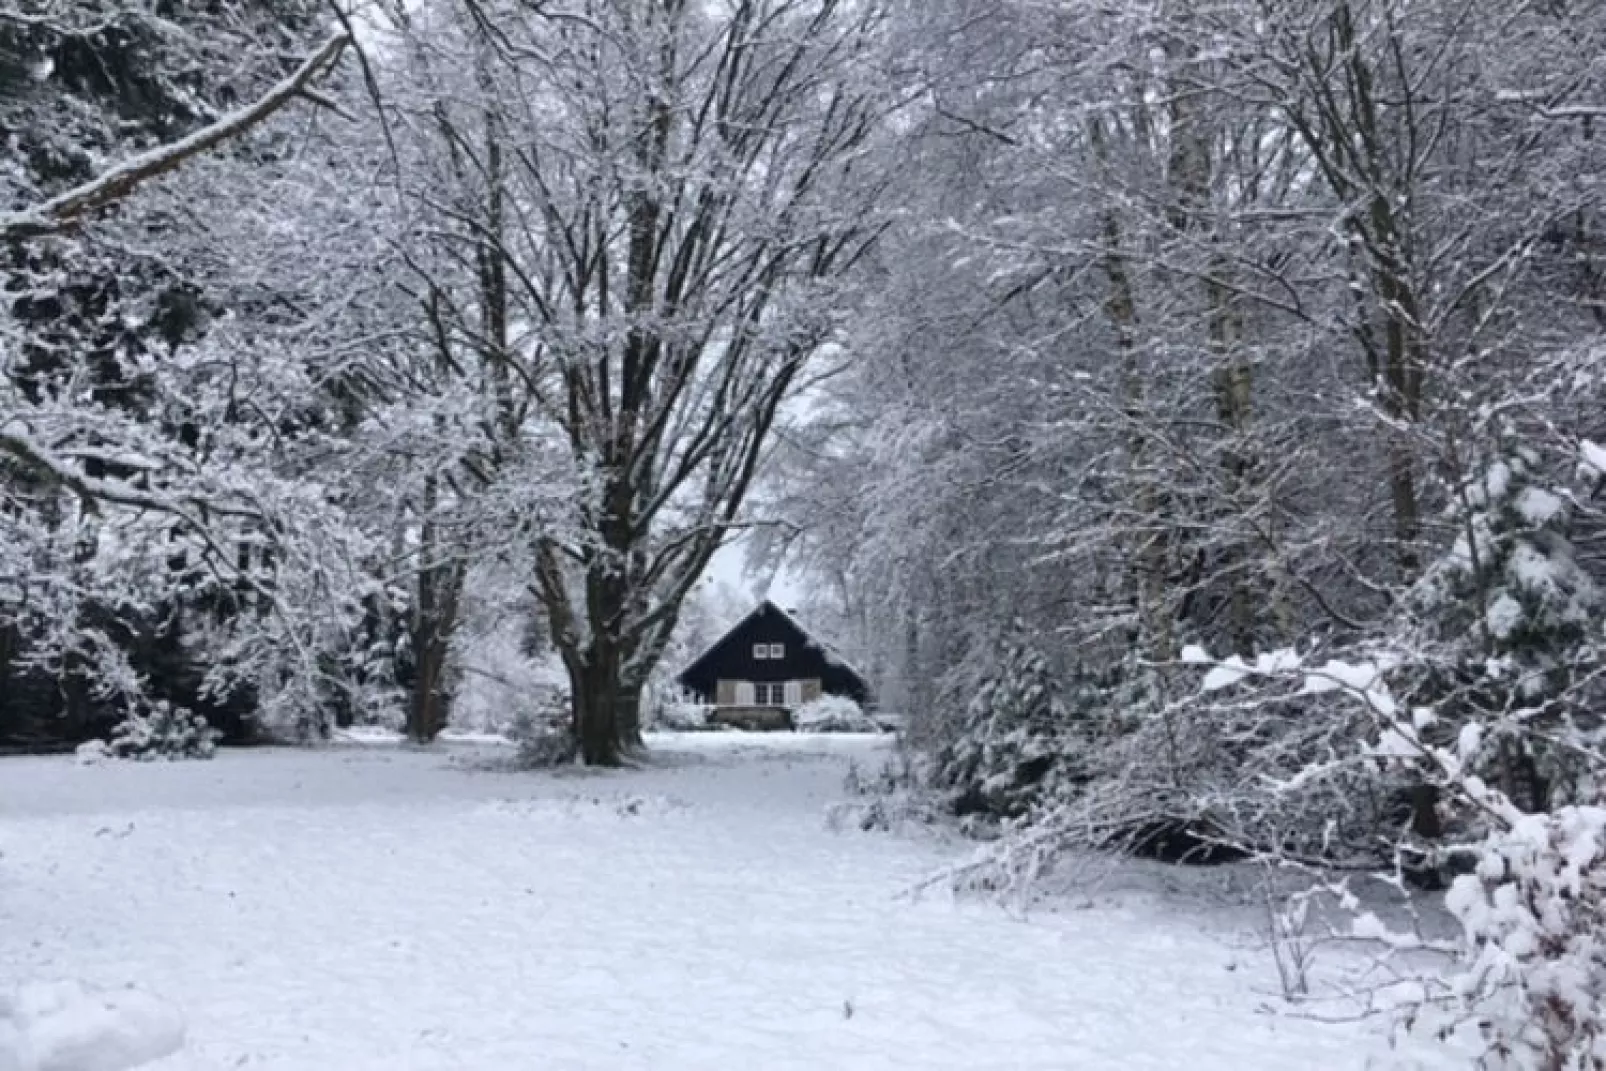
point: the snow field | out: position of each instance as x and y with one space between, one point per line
369 907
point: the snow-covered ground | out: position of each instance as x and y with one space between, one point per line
369 907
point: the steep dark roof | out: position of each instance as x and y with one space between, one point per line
691 675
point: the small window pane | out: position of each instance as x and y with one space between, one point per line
761 650
777 650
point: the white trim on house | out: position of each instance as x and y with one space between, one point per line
744 694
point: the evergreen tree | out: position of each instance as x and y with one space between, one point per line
1013 742
1516 615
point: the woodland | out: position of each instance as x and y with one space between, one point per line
1188 414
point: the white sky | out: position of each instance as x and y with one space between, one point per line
728 567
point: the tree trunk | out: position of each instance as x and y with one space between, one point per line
1149 549
605 708
429 706
440 590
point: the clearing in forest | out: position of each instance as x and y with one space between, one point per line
366 907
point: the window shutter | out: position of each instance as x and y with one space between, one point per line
744 693
794 693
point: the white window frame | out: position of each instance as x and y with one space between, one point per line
761 651
777 650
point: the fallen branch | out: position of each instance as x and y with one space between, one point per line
63 210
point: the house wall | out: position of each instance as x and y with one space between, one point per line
727 695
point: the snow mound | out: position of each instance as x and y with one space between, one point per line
683 717
91 753
833 714
68 1026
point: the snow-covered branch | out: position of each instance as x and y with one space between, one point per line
66 209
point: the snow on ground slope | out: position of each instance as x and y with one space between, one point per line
384 908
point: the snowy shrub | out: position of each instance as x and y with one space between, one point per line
1530 970
69 1026
898 773
669 706
544 733
1533 976
884 798
544 746
680 717
833 714
1012 737
505 667
160 730
91 752
1513 619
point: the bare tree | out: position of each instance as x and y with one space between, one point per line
672 196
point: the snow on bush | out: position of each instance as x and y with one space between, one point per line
833 714
500 676
1530 970
1533 974
1015 733
669 706
157 730
681 717
91 752
67 1026
883 799
545 734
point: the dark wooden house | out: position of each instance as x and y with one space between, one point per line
769 664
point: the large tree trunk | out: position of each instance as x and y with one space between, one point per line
429 705
596 726
604 694
605 707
